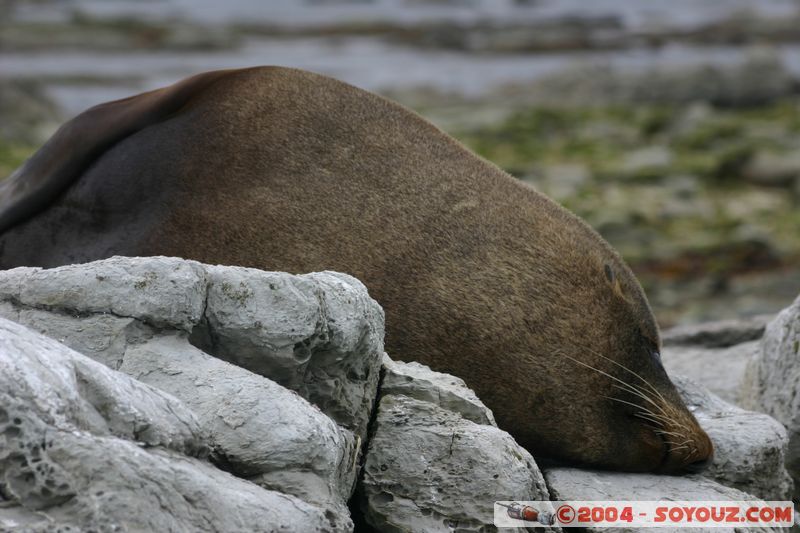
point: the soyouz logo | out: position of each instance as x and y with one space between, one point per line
643 513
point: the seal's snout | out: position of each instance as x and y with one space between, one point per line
693 455
699 466
704 454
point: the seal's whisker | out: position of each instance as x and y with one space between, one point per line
641 394
667 416
647 412
660 417
651 426
633 389
622 401
629 370
682 444
663 418
675 446
684 432
659 421
671 433
640 390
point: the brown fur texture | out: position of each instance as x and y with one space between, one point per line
480 275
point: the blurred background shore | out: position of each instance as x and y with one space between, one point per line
672 128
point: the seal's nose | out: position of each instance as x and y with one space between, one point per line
703 454
699 465
691 456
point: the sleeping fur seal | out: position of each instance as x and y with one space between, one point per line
480 275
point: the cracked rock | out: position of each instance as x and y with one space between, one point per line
417 381
86 448
429 468
259 430
319 334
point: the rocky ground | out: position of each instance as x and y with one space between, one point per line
231 399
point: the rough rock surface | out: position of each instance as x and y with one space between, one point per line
235 400
579 484
772 378
429 467
88 448
417 381
258 429
319 334
68 390
159 291
749 448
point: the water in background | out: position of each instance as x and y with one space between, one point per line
348 42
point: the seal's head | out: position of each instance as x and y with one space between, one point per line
625 373
589 384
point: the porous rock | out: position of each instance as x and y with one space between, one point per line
70 391
772 380
148 317
319 334
421 383
84 482
88 448
258 429
428 468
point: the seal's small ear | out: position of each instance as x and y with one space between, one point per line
609 273
616 286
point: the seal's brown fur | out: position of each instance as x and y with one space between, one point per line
479 275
